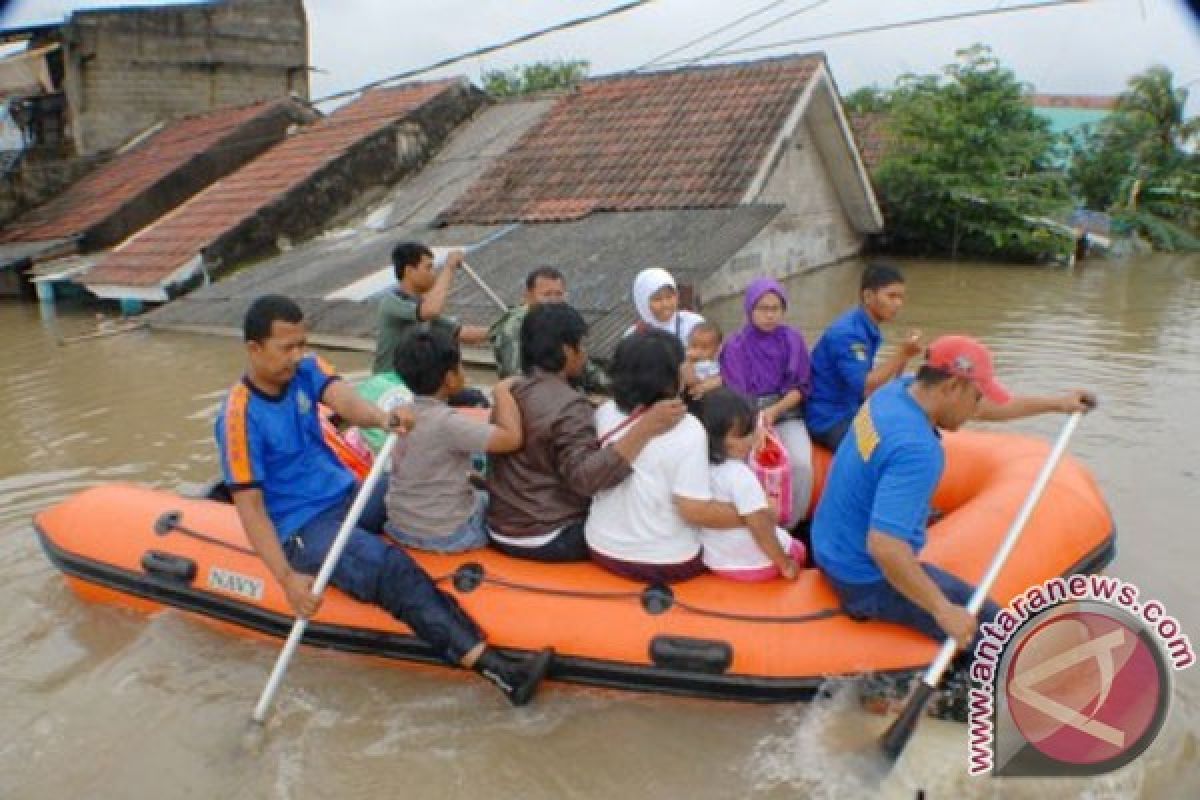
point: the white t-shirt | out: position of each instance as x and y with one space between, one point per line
734 548
636 520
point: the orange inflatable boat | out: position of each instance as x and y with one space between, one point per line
775 641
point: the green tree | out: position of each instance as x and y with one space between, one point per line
536 77
967 170
868 99
1136 165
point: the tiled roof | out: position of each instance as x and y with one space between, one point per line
870 134
690 138
1086 101
159 250
103 192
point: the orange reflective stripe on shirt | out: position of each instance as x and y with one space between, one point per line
327 369
237 437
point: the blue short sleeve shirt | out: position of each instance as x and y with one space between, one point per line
882 478
840 363
274 443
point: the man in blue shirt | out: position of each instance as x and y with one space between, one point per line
292 495
870 525
843 362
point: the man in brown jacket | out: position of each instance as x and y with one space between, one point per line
540 494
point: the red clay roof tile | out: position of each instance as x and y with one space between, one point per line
102 192
152 255
1087 101
871 136
691 138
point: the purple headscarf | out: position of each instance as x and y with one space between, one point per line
758 363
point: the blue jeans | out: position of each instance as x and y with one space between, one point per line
471 535
372 571
831 438
880 600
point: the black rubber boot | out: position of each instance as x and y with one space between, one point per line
517 682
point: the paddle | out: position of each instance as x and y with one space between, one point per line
486 289
331 559
896 737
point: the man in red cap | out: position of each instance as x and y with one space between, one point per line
870 525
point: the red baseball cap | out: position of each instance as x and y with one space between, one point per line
967 358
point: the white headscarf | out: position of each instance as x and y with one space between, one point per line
649 281
645 285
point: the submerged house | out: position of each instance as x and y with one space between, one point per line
117 80
719 173
288 192
152 175
105 75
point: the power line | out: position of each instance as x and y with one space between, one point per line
710 34
333 124
445 62
888 27
721 47
306 129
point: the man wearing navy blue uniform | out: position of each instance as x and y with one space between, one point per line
292 495
870 525
843 362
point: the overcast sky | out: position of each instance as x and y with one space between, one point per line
1089 48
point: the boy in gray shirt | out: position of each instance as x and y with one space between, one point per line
430 502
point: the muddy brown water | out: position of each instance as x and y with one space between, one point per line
101 702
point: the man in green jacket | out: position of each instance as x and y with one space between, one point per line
542 285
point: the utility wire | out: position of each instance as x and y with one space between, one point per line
445 62
888 27
777 21
710 34
307 129
333 123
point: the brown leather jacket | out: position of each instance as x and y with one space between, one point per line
550 481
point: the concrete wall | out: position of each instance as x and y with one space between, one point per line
127 69
812 231
35 181
348 183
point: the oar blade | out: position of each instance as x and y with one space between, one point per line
896 737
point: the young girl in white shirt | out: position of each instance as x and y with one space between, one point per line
760 550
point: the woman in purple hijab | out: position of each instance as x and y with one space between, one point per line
767 360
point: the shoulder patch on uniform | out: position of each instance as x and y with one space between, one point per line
859 350
865 435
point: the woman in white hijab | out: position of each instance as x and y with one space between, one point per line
657 301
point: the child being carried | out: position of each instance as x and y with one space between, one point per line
702 371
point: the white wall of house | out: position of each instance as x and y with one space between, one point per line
813 230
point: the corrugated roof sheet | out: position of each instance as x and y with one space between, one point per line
690 138
599 257
102 192
160 249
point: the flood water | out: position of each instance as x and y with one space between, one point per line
102 702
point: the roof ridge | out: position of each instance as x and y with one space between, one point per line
762 63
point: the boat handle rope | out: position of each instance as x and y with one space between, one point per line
173 521
475 575
468 576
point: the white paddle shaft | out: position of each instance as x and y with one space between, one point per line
933 675
330 563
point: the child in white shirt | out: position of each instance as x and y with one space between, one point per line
760 550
